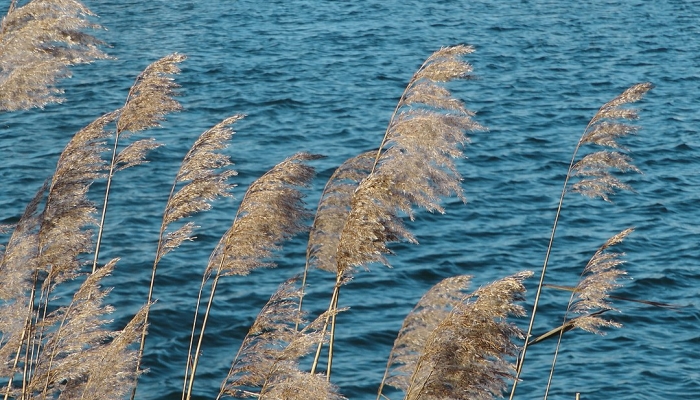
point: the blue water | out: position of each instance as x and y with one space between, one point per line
324 77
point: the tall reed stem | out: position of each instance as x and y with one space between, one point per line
540 285
195 360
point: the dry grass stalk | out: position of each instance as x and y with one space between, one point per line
203 178
266 365
333 210
465 355
413 167
70 360
19 267
17 261
62 361
604 129
38 42
116 381
429 312
417 168
271 211
597 279
150 98
62 236
45 247
44 250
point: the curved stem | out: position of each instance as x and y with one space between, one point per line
26 333
149 299
110 175
331 339
195 360
317 357
194 328
100 230
544 270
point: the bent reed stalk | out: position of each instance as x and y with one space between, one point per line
453 344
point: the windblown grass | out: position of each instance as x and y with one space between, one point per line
453 345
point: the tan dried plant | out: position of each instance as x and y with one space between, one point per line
589 297
62 234
595 171
201 179
267 363
434 307
414 166
271 211
19 265
38 42
468 354
417 167
332 211
75 346
45 251
68 210
45 248
75 354
150 98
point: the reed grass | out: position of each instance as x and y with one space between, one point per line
452 345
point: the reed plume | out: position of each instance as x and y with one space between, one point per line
45 246
413 167
591 293
20 253
75 346
598 277
19 268
81 328
63 233
417 168
43 252
151 97
434 307
202 178
604 129
68 210
333 210
266 365
76 353
465 356
38 42
596 179
121 377
271 211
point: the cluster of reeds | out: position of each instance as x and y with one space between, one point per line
454 344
